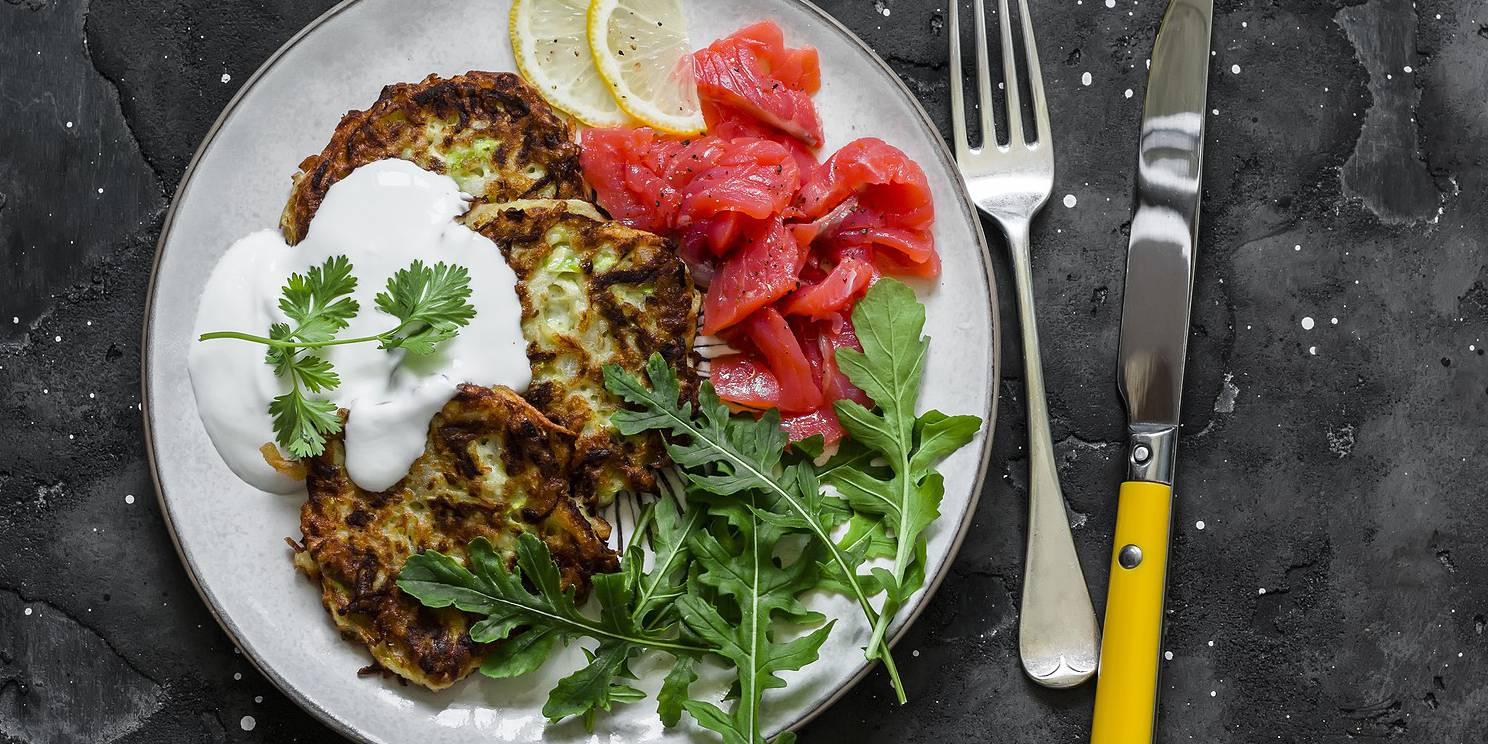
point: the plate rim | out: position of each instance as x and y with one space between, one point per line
345 728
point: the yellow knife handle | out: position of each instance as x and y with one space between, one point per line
1126 690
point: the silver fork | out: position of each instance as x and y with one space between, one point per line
1057 635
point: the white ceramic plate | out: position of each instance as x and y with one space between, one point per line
231 536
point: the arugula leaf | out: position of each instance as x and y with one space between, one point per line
674 690
430 303
889 322
549 614
748 573
726 455
670 528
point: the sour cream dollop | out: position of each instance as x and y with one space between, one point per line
381 217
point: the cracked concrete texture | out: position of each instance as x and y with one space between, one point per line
1336 466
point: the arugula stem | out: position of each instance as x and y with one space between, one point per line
904 544
595 631
875 649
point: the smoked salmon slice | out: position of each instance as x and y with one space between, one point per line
734 76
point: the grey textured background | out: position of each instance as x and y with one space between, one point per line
1337 464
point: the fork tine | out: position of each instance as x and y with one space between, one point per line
958 103
1035 80
984 77
1010 76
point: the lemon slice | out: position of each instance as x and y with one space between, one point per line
549 40
641 50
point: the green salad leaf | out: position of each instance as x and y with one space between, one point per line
726 455
707 575
906 498
548 614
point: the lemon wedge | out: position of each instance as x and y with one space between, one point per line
549 40
641 50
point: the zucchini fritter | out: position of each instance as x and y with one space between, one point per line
490 131
493 467
594 292
496 464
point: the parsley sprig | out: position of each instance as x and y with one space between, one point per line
431 304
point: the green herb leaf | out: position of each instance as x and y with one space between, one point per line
906 495
748 572
655 591
674 690
726 455
502 596
316 300
301 424
593 688
430 303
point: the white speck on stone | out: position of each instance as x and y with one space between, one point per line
226 78
1408 69
91 396
69 125
1110 3
1235 69
237 676
247 723
100 189
1128 93
71 437
1213 693
1308 323
1085 79
258 698
1297 247
1211 644
1262 590
129 498
57 339
1225 403
1214 112
1069 200
915 653
1312 350
28 612
1199 525
1334 321
1244 24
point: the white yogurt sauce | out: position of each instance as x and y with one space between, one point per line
381 217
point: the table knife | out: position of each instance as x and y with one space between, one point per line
1154 335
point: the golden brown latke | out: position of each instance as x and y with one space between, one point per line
594 292
493 467
490 131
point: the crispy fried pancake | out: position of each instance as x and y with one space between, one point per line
490 131
493 467
594 292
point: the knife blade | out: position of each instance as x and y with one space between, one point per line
1150 361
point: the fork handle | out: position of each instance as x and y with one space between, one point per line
1058 641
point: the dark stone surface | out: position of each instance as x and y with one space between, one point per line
1336 465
